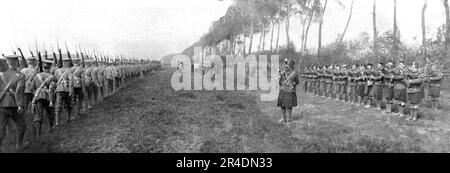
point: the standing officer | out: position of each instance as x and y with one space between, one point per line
89 85
414 91
377 90
388 87
44 85
12 86
64 90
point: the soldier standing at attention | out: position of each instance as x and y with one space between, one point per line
435 78
336 76
368 85
315 76
100 82
351 84
377 90
64 90
414 91
388 87
322 85
12 86
29 73
287 98
399 88
44 85
78 86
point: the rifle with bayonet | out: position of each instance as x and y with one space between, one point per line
68 55
60 63
40 58
22 58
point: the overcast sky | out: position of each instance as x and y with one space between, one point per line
154 28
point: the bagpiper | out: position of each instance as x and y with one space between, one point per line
399 75
388 87
435 77
413 83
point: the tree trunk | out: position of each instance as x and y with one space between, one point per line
260 40
447 26
424 34
305 40
271 35
278 36
264 41
251 36
375 32
288 38
319 46
302 39
348 22
395 46
244 46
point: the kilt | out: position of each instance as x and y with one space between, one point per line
329 86
343 89
414 98
351 88
287 99
367 90
322 86
388 92
360 90
400 94
377 92
337 88
434 92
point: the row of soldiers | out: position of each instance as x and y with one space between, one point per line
49 91
383 83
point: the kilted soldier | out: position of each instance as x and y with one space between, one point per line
329 82
377 90
304 78
343 81
78 85
29 73
110 79
414 91
315 81
360 85
388 87
336 81
287 98
44 85
12 88
368 85
435 78
64 90
322 81
351 87
400 88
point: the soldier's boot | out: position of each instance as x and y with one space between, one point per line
57 119
19 144
401 110
37 130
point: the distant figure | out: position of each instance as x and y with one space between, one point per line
287 98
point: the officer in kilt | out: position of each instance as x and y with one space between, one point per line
414 91
287 98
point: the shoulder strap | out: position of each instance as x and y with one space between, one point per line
62 77
41 86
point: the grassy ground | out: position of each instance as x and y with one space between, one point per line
148 116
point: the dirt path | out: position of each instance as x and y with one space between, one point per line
148 116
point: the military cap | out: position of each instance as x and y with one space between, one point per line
46 61
31 58
65 57
12 57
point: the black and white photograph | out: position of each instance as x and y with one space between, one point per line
225 77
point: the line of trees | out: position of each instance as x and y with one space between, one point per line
247 19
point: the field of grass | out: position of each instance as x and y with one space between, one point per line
149 116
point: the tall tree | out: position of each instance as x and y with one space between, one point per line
348 22
374 25
319 46
424 33
447 28
288 9
395 32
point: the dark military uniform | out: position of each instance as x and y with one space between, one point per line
78 85
377 90
12 88
399 89
388 87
